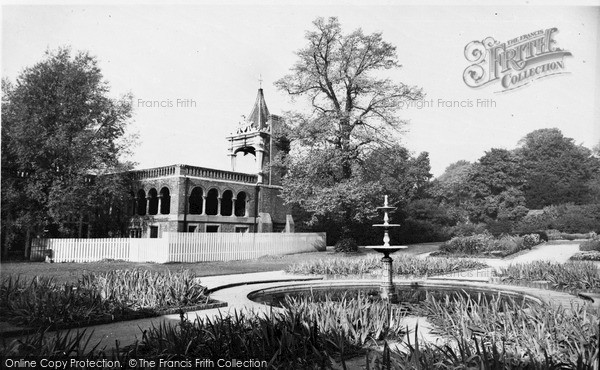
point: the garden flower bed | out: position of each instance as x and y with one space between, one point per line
405 266
586 256
590 250
572 277
100 298
480 333
486 245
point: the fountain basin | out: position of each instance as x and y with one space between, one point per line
386 250
407 292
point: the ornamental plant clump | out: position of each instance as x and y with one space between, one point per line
586 256
97 297
590 245
531 240
359 319
487 244
141 289
524 333
346 245
403 265
287 339
570 276
473 244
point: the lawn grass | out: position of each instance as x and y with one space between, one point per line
71 272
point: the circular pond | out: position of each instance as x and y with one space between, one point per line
407 293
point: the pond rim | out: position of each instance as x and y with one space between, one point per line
321 285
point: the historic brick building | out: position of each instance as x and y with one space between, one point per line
196 199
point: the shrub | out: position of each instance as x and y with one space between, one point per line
531 240
553 234
485 243
473 244
419 231
466 229
346 245
567 236
579 218
499 227
542 236
586 256
569 218
533 222
507 244
590 245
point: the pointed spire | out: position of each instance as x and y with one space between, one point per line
260 113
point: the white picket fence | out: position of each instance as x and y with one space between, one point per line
178 247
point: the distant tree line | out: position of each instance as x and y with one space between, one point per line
547 171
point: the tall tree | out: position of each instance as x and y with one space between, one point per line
61 130
593 184
556 169
352 111
401 175
451 190
496 185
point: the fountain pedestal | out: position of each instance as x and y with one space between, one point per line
387 285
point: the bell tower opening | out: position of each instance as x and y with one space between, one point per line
250 146
245 161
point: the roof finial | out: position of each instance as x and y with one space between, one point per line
260 81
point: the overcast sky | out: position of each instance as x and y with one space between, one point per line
213 53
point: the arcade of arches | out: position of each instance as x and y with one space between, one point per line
199 203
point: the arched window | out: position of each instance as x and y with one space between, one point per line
165 201
196 201
153 199
141 202
212 202
240 204
226 203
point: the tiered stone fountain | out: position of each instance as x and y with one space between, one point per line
387 285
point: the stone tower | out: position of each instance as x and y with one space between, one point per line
254 136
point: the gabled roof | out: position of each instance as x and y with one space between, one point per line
260 113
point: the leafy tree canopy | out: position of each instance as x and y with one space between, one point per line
351 127
450 187
556 169
60 130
